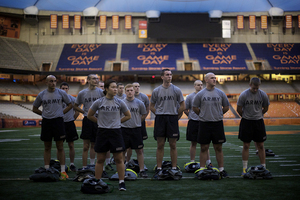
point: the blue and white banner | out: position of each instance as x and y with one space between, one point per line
86 57
150 57
281 56
215 56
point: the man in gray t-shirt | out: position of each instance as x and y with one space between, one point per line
252 104
71 132
163 104
87 97
53 124
192 128
120 91
210 104
131 129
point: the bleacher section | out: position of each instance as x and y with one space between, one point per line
15 54
17 111
46 53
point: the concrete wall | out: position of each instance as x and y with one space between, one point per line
42 34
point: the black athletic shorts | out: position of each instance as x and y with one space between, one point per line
109 140
252 130
192 130
71 132
144 131
132 138
89 130
166 126
53 128
211 131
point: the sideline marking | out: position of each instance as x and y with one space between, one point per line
290 165
3 131
12 140
283 161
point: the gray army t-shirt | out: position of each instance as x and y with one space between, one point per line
109 112
52 103
252 104
165 99
144 98
189 105
211 103
87 97
137 109
69 116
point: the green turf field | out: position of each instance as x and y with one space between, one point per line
21 152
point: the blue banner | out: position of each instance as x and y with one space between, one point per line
225 56
29 123
149 57
86 57
281 56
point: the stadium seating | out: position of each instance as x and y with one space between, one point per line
17 111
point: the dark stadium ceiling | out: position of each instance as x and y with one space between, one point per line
168 6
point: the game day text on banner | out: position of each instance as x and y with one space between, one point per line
281 56
86 57
215 56
150 57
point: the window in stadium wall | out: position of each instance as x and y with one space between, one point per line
46 67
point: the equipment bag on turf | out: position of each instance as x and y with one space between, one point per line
208 174
169 174
130 175
45 175
94 186
257 172
83 174
191 166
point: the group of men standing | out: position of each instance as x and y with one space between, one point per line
204 107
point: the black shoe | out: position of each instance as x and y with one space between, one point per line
73 168
104 174
122 186
224 174
143 174
156 173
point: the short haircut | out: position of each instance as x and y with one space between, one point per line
129 86
255 81
163 72
64 83
90 75
197 81
101 81
207 75
107 84
118 84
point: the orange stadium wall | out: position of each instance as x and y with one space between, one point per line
18 123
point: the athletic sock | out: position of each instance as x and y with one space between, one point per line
265 166
245 164
174 167
47 166
192 160
221 169
121 181
71 164
62 168
202 167
92 161
208 162
84 166
107 161
159 168
103 168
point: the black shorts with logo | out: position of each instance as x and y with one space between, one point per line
53 128
252 130
211 131
192 130
144 131
132 138
89 130
109 140
166 126
71 132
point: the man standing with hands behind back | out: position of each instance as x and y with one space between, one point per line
210 104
